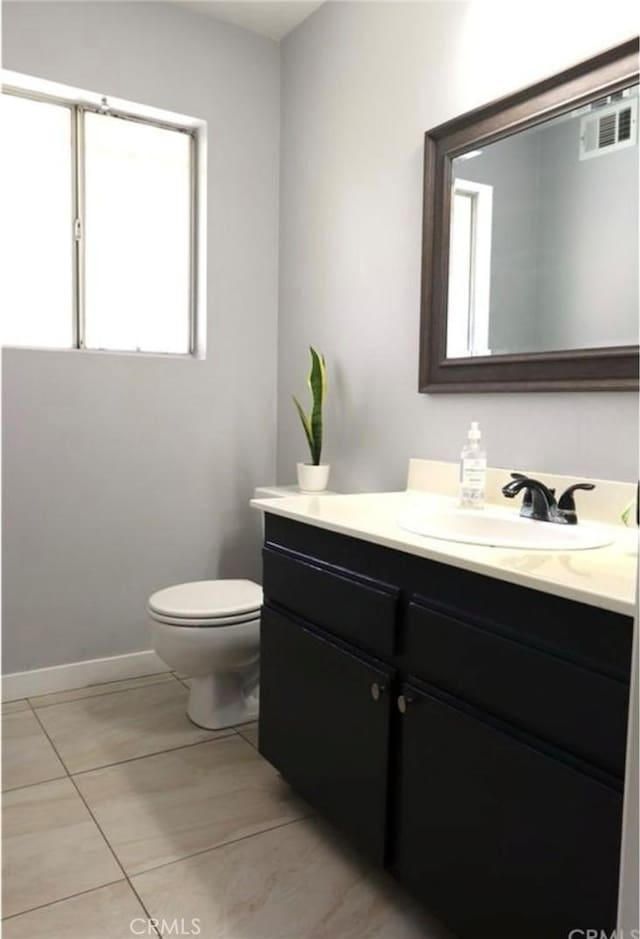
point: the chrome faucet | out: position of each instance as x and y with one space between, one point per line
539 501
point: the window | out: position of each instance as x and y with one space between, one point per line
36 292
98 227
137 223
469 269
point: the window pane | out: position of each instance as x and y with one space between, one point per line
137 236
36 248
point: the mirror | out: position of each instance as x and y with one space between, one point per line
530 278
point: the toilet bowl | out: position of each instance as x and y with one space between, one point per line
210 631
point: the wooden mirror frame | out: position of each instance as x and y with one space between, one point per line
606 369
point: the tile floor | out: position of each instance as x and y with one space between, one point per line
118 810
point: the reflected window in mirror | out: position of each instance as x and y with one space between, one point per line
469 268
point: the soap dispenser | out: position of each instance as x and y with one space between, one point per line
473 470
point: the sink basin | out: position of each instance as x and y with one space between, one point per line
500 528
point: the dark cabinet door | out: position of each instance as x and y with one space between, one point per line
499 839
324 724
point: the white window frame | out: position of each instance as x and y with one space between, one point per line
471 337
79 102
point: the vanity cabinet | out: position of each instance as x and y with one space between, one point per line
466 733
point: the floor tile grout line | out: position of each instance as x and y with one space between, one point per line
95 822
40 782
52 745
113 852
143 756
229 732
220 735
223 844
250 742
72 896
96 684
102 694
246 739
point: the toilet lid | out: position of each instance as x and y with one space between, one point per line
208 599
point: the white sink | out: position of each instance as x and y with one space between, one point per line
500 528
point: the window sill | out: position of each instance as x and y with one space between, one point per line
127 353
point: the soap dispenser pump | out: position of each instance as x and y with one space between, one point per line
473 470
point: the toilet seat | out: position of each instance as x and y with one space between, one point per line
210 623
207 603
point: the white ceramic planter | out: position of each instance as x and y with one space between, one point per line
313 478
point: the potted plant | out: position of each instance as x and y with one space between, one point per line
314 476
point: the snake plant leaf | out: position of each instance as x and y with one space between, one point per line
317 382
626 515
312 422
306 423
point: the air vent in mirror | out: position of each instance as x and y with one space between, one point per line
609 128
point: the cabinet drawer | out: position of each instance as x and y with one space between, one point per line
576 709
498 839
361 611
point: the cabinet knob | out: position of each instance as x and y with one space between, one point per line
377 691
403 701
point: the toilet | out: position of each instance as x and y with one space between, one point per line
209 630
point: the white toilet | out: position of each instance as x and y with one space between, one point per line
210 631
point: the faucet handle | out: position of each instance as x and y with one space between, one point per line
567 503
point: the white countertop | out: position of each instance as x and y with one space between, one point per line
602 577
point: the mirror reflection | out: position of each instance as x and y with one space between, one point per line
543 246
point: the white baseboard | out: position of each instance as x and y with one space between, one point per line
80 674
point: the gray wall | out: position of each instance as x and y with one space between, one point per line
124 474
361 83
588 243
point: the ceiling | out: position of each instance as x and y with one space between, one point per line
272 18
